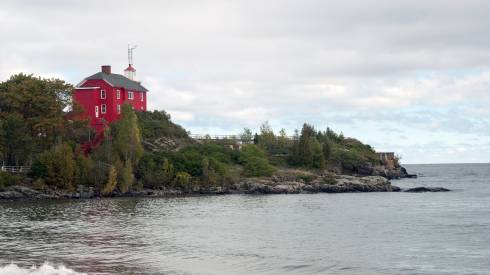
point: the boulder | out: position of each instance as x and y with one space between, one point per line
426 189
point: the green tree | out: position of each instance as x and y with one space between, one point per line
283 142
15 140
40 102
318 158
247 135
304 151
327 150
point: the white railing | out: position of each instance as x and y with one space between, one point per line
15 169
234 138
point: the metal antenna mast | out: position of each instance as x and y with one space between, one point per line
130 53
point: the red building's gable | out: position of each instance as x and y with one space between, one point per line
103 94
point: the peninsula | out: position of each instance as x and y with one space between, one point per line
52 147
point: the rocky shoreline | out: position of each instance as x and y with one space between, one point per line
287 183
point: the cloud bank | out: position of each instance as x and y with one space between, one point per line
405 76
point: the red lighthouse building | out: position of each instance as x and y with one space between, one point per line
103 94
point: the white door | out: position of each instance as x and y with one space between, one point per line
96 111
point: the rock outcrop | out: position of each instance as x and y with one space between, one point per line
325 184
426 189
288 182
18 192
166 143
393 173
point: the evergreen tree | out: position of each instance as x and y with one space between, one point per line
318 158
305 153
246 135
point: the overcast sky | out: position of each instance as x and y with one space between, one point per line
406 76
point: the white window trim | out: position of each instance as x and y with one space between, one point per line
103 94
96 111
103 109
142 96
130 95
118 108
118 94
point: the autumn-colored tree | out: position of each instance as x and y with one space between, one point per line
126 136
126 177
111 182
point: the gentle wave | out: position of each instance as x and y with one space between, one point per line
44 269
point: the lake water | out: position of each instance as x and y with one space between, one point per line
356 233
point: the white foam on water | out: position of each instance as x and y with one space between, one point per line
44 269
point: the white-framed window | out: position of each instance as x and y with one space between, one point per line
141 107
118 94
102 94
118 108
96 111
142 96
130 95
103 109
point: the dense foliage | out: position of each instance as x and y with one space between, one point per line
156 124
315 149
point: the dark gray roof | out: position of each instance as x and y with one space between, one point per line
118 80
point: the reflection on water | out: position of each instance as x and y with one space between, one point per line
368 233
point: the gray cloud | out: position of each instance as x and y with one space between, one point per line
219 65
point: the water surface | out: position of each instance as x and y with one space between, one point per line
356 233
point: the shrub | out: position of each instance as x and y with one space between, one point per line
7 179
256 167
57 167
182 180
255 162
